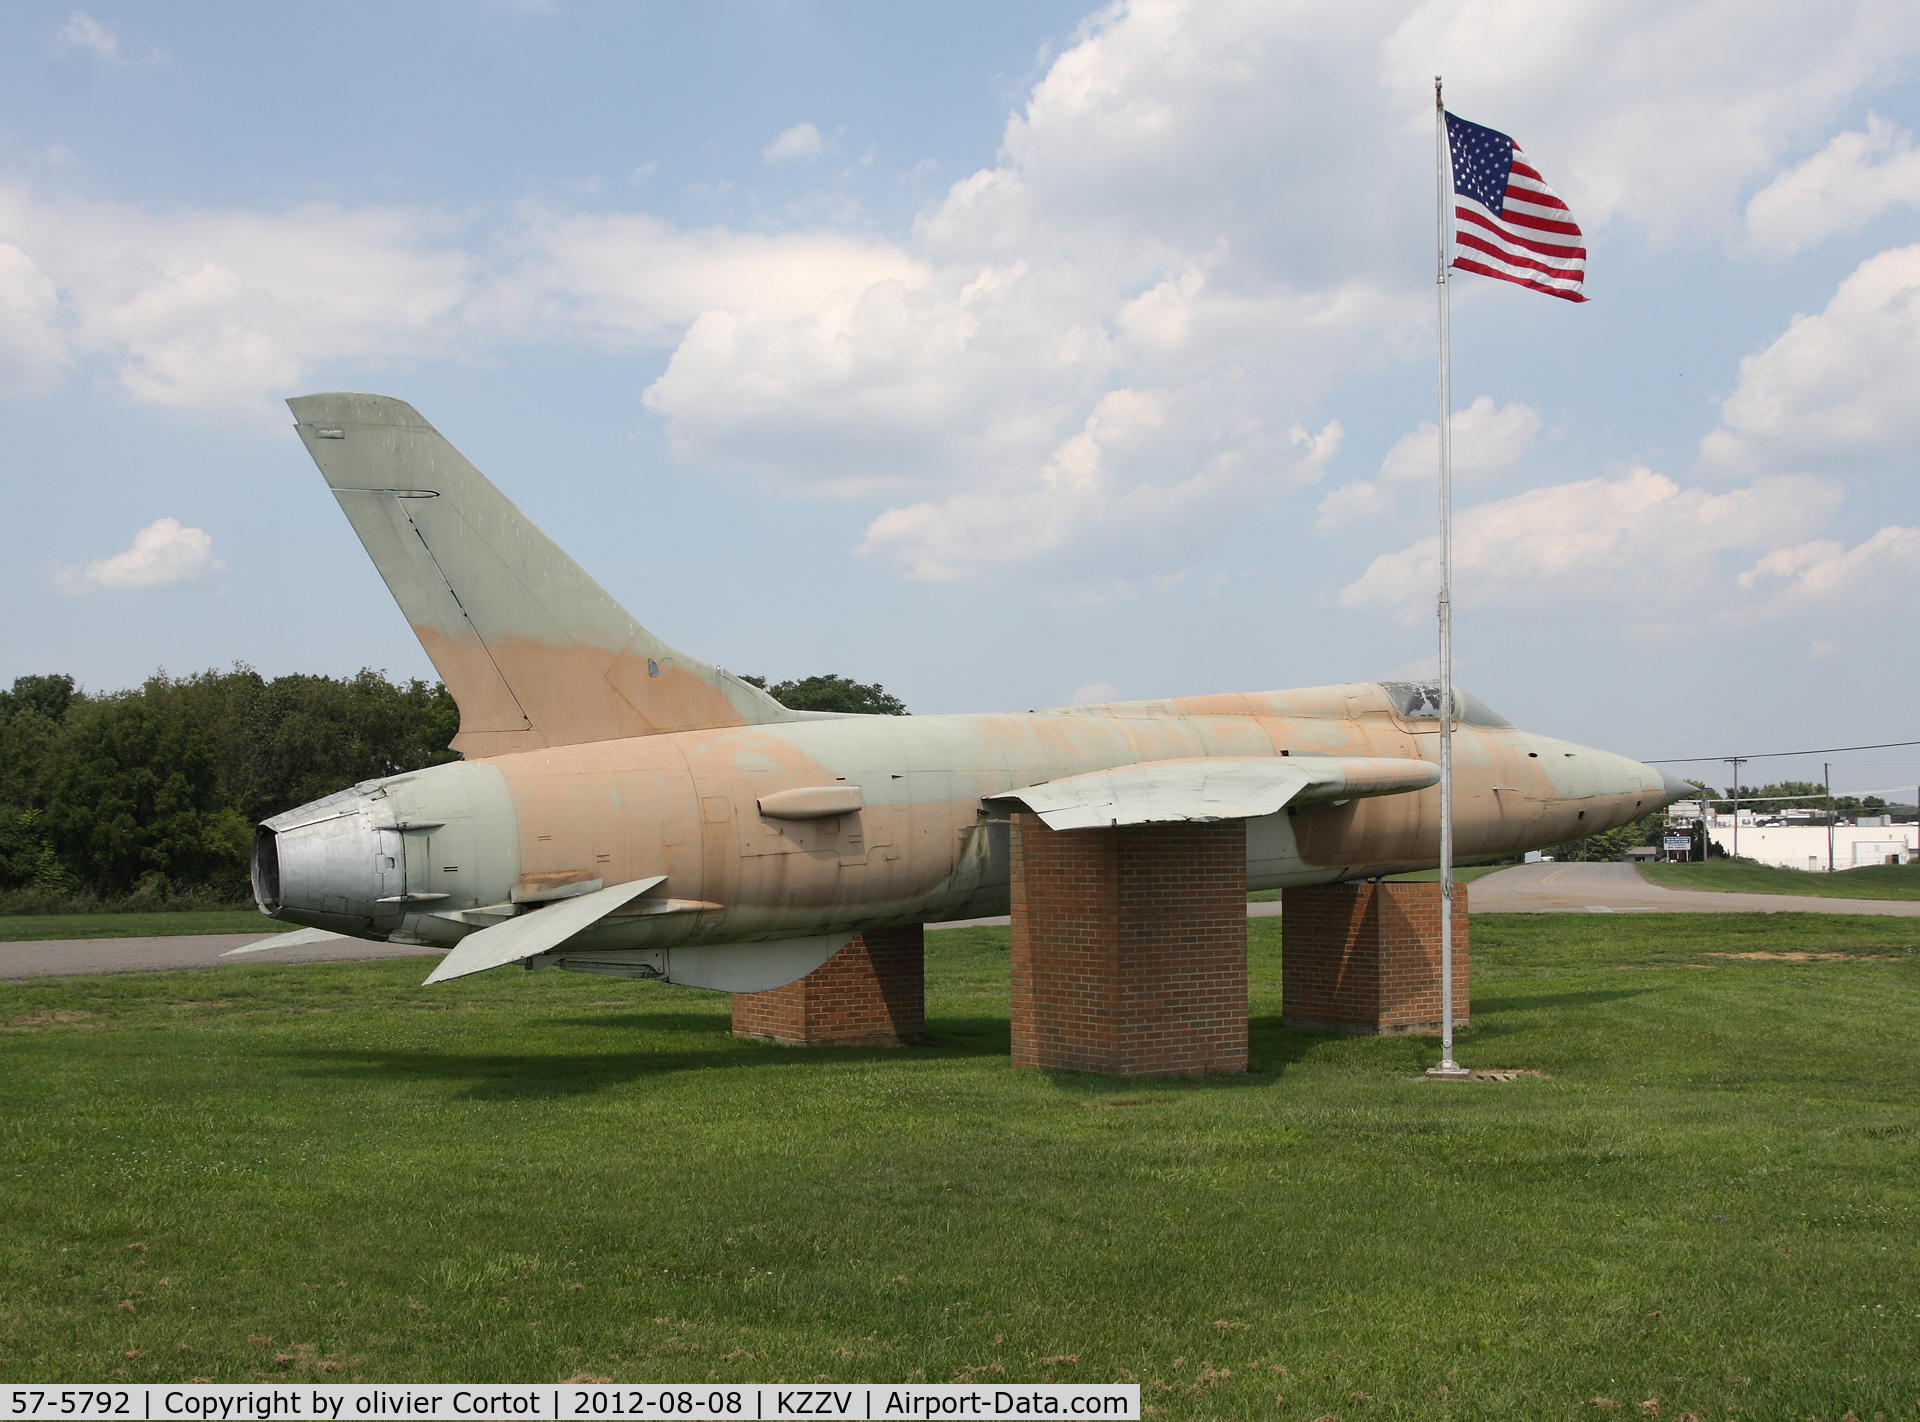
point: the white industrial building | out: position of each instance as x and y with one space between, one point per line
1805 846
1776 838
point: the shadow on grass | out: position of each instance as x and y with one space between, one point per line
692 1024
1485 1005
495 1076
1271 1050
969 1036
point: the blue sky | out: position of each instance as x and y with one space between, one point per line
1008 355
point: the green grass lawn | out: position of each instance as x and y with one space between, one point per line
1709 1198
1743 876
28 928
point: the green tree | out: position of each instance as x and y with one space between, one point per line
26 731
832 693
1613 844
1781 795
48 695
130 798
295 738
27 857
157 789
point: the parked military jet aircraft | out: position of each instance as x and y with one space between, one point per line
624 808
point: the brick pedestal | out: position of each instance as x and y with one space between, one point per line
872 993
1364 959
1129 948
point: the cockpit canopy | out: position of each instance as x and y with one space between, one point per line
1420 701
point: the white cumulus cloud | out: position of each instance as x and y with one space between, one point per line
32 350
1640 540
164 554
222 311
1828 576
1487 438
1856 177
800 141
1837 386
82 31
1657 113
618 280
1093 349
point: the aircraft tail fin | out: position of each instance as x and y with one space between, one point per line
534 652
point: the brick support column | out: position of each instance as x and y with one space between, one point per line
1129 948
872 993
1364 959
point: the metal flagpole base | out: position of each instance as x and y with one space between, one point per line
1449 1071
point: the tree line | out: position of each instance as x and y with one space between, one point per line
1782 795
153 793
150 795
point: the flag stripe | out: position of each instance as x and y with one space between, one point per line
1540 224
1519 266
1535 202
1528 282
1535 194
1514 259
1477 216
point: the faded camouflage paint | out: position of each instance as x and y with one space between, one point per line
924 847
599 755
565 695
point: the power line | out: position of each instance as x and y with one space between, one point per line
1755 797
1769 755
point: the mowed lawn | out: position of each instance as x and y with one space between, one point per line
27 928
1744 876
1706 1202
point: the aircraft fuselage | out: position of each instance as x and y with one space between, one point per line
421 857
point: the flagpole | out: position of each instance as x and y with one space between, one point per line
1442 185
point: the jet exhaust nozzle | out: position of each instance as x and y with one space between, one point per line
266 870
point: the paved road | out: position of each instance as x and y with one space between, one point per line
64 957
1618 888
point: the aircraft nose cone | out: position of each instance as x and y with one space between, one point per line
1674 788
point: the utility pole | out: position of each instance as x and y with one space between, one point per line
1826 772
1736 761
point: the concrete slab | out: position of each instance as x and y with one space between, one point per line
1618 888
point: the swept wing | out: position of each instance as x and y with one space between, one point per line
1164 791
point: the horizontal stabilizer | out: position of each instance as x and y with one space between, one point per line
539 931
296 939
1167 791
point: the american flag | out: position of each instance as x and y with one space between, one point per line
1508 223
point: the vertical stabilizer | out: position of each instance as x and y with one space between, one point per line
533 650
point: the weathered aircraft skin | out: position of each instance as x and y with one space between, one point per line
598 757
